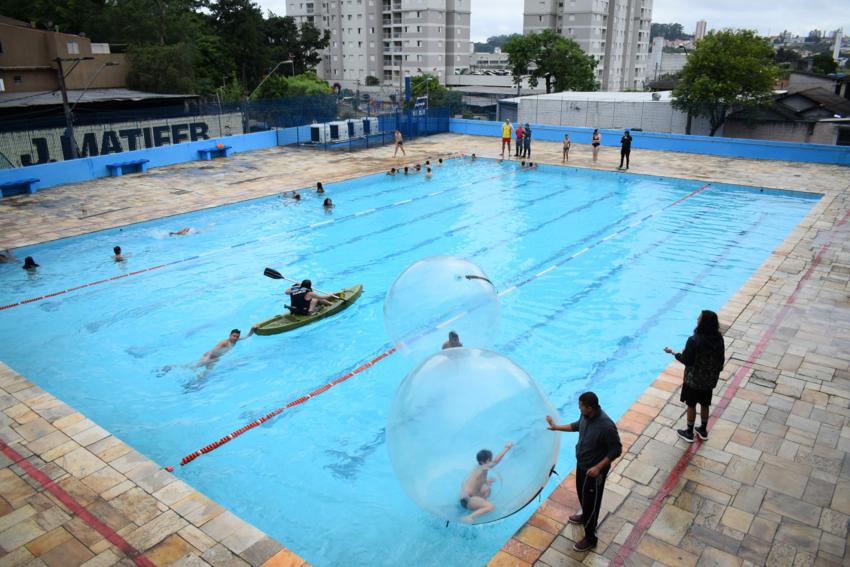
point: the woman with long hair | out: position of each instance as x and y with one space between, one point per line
703 357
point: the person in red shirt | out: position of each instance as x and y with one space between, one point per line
519 134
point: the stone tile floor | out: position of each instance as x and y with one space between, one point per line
771 486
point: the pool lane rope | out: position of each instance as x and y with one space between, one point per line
298 230
366 365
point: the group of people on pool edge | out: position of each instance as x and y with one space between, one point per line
523 143
599 442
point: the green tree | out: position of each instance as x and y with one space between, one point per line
240 24
279 86
492 43
426 84
161 68
824 64
372 81
668 31
728 71
559 61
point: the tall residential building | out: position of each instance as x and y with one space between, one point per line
388 38
700 31
614 32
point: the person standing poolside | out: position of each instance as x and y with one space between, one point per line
475 489
526 141
566 155
625 149
703 357
595 141
519 134
598 446
506 137
399 144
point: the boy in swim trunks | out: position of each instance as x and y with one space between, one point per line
476 487
506 137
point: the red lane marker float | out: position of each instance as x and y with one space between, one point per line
259 421
70 289
75 507
675 475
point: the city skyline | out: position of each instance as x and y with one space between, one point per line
496 17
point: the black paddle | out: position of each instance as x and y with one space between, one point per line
275 275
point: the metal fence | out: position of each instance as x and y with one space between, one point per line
38 139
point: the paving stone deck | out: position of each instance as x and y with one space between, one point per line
771 486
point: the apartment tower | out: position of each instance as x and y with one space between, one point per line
614 32
388 39
700 31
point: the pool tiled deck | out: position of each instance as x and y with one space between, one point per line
771 486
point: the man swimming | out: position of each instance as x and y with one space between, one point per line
223 347
475 489
118 257
305 301
453 342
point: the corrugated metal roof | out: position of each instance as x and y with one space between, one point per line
601 96
50 98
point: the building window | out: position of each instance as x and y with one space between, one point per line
73 48
17 79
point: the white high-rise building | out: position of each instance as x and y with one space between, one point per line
388 39
700 31
614 32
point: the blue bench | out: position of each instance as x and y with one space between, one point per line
116 169
209 153
17 187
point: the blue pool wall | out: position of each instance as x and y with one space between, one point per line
729 147
85 169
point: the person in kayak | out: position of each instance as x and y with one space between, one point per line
305 301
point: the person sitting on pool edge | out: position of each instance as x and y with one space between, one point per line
475 489
118 257
305 301
453 342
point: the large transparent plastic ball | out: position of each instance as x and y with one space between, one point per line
438 295
455 404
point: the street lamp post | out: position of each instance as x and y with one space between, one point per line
69 118
270 74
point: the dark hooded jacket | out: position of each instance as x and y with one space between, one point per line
703 357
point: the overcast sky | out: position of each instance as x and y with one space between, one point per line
495 17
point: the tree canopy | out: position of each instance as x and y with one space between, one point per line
668 31
728 71
437 94
306 84
492 43
559 61
186 46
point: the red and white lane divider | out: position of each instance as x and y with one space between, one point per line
652 511
216 444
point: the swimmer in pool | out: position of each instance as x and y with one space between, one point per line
181 232
453 342
475 489
223 347
118 257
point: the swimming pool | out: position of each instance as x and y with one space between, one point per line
633 261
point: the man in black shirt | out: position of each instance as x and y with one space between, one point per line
598 445
625 149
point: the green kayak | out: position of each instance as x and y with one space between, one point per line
290 321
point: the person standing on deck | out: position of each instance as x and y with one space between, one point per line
506 137
598 446
703 357
519 134
625 149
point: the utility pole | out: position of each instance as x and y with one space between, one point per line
69 121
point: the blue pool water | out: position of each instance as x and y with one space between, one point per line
317 477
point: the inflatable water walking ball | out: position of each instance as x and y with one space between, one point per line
436 295
450 411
